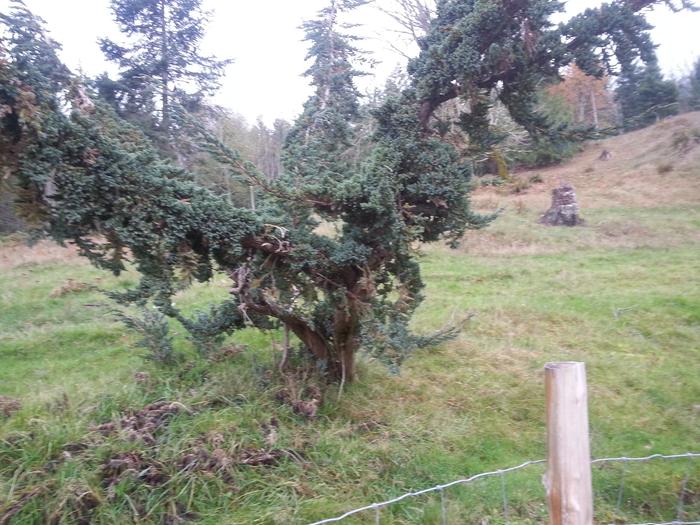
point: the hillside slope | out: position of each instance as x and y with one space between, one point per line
647 194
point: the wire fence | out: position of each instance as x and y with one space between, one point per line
376 508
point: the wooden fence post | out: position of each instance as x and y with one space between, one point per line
568 477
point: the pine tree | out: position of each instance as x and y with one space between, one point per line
161 63
324 128
644 96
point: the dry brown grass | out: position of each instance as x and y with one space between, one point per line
70 286
19 254
629 179
661 207
527 237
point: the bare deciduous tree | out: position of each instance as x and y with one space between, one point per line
411 19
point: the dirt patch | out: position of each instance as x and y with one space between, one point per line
70 451
369 427
304 401
138 467
208 453
200 459
257 456
77 505
227 353
144 424
142 378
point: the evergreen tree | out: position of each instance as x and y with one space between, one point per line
644 96
477 47
694 88
83 170
316 143
161 63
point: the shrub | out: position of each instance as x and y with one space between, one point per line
520 186
155 337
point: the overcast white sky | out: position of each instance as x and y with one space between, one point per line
264 39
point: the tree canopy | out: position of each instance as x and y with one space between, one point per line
160 62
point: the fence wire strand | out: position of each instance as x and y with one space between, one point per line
500 472
426 491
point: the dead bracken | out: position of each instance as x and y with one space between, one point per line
69 287
144 424
132 464
9 406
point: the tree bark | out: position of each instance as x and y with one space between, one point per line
581 109
164 76
345 338
594 108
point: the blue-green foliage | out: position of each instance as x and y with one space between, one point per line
153 328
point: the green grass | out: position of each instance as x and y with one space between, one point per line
630 311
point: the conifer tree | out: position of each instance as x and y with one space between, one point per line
84 170
694 87
644 96
160 63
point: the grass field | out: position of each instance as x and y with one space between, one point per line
621 293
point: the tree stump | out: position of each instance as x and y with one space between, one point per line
564 210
